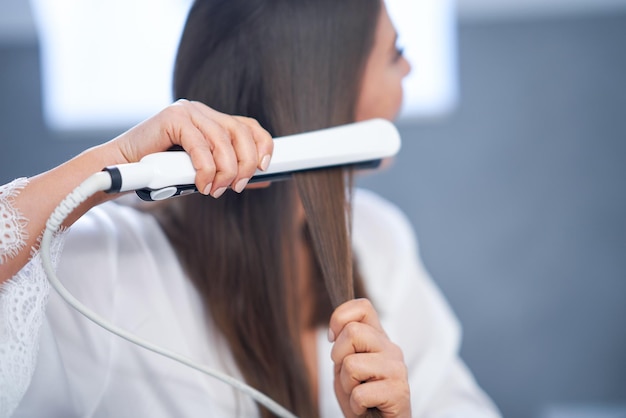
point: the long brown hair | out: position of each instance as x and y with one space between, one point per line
294 65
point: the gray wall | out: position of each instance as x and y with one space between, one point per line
520 205
518 199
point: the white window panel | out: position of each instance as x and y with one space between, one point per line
427 30
108 63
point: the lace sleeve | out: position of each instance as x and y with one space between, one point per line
13 234
22 304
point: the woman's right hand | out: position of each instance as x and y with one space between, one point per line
225 150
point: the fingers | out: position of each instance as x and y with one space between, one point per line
389 397
357 369
358 337
198 137
225 150
263 140
369 369
357 310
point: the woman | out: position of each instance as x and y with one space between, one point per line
249 281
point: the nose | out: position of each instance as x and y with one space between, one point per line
407 68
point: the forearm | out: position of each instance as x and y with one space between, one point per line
40 196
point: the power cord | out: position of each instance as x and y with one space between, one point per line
102 182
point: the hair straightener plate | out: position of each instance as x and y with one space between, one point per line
361 144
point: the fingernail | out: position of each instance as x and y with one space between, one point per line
331 335
207 189
265 162
241 184
219 192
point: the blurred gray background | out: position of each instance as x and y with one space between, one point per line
517 196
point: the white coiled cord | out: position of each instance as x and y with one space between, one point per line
101 182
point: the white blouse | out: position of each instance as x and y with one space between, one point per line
117 261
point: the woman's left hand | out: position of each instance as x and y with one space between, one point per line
369 368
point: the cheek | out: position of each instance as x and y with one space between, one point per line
381 99
396 94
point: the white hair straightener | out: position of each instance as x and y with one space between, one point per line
166 174
362 144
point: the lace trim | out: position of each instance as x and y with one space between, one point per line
22 310
13 233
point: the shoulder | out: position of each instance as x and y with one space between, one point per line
112 219
111 244
376 215
396 279
114 229
386 249
383 237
